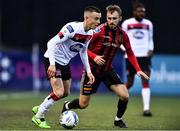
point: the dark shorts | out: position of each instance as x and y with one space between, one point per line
63 72
144 63
108 78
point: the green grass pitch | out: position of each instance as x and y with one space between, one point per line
15 112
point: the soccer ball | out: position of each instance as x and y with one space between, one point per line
69 119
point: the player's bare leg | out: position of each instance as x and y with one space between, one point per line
49 101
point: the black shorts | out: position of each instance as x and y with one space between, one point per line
63 72
144 63
108 78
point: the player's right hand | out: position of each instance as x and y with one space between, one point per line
91 78
51 71
99 60
142 74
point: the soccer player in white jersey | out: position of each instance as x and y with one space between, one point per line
140 32
72 39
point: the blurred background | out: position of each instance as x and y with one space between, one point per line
27 25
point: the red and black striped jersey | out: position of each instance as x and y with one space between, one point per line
105 42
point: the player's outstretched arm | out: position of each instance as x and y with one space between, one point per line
142 74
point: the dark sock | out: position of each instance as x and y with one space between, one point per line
74 104
121 108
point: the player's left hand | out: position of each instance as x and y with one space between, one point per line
91 78
142 74
99 60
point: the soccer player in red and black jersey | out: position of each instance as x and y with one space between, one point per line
105 42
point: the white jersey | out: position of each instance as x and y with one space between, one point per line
71 40
140 35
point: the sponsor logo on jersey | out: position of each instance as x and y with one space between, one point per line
81 38
70 29
138 35
111 44
76 48
106 36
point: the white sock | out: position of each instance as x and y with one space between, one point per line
44 107
117 118
146 94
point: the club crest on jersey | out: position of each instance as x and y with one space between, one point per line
97 30
70 29
138 35
76 48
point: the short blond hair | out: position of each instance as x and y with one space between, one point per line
112 8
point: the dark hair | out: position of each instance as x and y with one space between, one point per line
112 8
138 5
92 9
